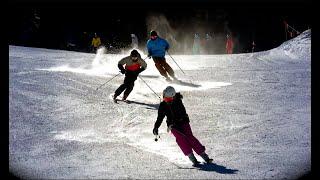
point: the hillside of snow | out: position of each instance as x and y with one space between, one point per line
251 111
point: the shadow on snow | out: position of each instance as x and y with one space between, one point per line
149 106
184 83
149 76
217 168
211 167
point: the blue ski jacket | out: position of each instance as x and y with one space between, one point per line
157 47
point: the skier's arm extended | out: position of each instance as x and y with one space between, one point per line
161 115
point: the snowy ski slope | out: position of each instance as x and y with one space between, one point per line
251 111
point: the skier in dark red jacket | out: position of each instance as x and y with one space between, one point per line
133 66
178 123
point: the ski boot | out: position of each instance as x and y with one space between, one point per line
124 98
206 158
115 99
194 160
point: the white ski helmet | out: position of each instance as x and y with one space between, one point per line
169 92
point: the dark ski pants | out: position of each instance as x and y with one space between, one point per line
163 67
186 140
127 85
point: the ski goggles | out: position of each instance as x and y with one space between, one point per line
168 99
134 58
154 37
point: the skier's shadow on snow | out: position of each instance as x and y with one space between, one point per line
149 106
184 83
217 168
149 76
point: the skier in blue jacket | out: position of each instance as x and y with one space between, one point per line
157 48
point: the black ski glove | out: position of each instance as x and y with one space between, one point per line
140 70
122 70
155 131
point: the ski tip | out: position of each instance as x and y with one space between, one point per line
196 165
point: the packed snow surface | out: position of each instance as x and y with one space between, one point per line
251 111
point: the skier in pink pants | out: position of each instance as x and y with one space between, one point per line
178 122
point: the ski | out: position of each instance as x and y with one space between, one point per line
199 165
168 80
117 101
176 81
183 167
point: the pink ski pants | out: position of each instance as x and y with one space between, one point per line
187 141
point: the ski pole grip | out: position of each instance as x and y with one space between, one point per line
157 137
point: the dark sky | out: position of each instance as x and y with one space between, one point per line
262 20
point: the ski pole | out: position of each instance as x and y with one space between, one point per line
175 62
103 84
293 29
149 87
145 58
108 81
179 132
